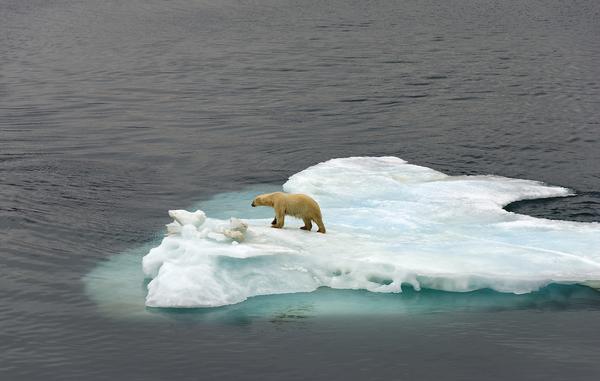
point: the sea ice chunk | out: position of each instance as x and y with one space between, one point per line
183 217
236 230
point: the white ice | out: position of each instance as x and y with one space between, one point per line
389 223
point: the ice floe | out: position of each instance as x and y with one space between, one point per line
389 224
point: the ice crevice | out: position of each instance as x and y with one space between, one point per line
389 224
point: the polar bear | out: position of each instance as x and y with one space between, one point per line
296 205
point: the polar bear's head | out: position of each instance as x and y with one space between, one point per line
263 200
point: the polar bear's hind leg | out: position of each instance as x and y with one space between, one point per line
320 224
307 224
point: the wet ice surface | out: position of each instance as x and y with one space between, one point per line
389 224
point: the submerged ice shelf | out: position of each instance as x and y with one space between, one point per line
389 223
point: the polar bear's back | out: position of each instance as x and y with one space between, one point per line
297 205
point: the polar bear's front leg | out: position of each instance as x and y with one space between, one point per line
274 222
279 220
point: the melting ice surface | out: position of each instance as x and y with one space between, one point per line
389 224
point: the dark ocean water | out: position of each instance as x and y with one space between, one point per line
113 112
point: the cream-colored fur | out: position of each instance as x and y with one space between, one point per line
295 205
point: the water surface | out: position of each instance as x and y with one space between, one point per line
113 112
